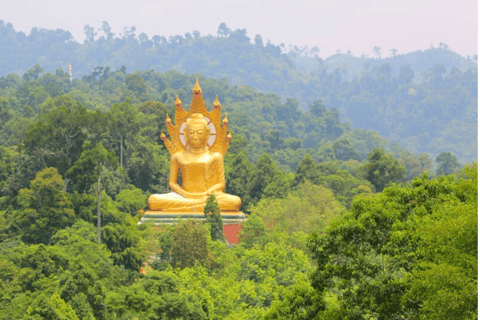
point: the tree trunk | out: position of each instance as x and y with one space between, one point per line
99 218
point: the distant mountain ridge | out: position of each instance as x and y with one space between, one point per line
193 53
420 62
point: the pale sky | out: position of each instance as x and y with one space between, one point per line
355 25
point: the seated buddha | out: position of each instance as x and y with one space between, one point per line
200 165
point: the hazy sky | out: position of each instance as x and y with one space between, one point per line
355 25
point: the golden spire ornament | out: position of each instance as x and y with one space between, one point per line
216 104
178 102
180 113
215 115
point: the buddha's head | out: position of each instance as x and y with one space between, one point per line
196 131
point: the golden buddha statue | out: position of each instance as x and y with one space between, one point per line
197 148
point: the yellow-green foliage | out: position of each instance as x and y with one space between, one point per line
310 208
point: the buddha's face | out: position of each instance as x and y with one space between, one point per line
197 134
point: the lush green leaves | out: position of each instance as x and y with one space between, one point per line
394 253
190 245
44 208
309 208
90 166
383 169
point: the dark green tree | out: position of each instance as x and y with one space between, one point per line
4 111
263 174
33 73
79 287
155 108
136 84
238 177
131 200
446 163
56 139
214 218
306 170
383 169
123 124
190 245
123 241
44 208
278 188
173 305
317 108
89 166
344 150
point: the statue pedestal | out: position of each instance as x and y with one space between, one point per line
232 221
166 217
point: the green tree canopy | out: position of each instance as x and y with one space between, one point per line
190 245
44 208
391 255
446 163
213 217
382 169
89 166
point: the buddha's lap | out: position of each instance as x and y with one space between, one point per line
173 200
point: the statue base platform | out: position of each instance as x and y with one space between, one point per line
171 217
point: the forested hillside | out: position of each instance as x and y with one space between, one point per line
420 61
425 101
67 145
342 223
322 189
261 123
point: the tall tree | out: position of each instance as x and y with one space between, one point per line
214 218
446 163
263 174
89 166
238 177
57 137
382 169
306 170
190 245
44 208
223 30
344 150
4 111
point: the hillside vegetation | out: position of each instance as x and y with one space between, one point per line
59 156
425 101
342 223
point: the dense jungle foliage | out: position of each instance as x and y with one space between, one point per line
342 224
425 101
327 236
